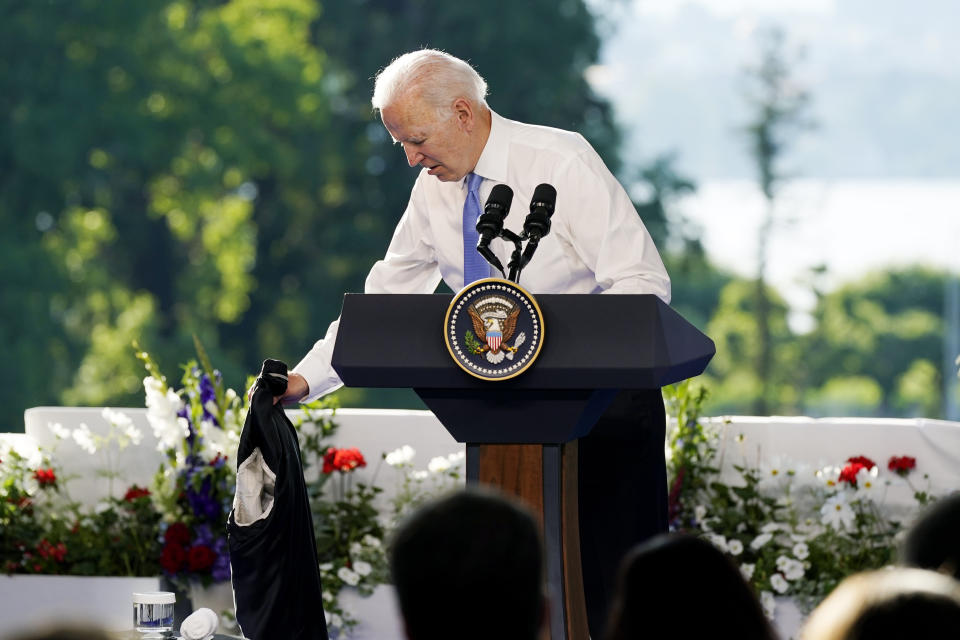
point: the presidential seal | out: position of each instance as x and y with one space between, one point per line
493 329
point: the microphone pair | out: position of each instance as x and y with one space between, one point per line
535 226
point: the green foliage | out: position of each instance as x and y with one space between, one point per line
470 340
42 531
185 167
888 327
735 382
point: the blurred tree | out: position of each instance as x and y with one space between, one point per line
133 139
732 374
779 105
887 326
199 166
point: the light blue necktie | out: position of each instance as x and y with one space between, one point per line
475 266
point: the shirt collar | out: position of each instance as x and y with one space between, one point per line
492 164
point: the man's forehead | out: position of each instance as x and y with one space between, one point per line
407 118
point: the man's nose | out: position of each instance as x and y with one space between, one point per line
413 156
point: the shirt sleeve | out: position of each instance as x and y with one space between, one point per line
409 266
605 231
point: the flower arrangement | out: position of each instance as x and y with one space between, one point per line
43 531
348 530
177 527
198 429
793 530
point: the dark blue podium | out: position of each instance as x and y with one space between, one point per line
521 434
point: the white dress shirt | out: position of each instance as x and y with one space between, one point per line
597 242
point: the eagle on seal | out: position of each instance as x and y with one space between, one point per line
494 327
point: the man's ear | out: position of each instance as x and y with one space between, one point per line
463 111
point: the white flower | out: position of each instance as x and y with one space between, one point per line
456 458
772 527
761 540
162 408
84 438
779 583
836 512
746 570
718 541
439 464
348 576
328 597
122 423
336 621
866 483
401 456
362 568
829 476
791 568
371 541
326 566
801 550
356 548
768 603
735 547
781 562
218 441
700 512
778 468
61 432
419 475
794 570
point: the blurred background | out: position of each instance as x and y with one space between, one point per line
213 168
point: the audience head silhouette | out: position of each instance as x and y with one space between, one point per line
933 542
688 585
889 604
63 632
469 566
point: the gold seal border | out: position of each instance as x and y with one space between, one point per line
453 303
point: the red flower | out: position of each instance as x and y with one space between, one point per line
177 534
172 557
45 477
863 461
348 459
200 558
902 465
343 460
849 473
135 492
328 460
56 552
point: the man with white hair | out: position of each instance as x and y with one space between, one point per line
434 105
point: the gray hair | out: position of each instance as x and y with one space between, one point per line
439 77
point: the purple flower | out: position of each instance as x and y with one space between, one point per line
203 535
221 566
204 505
208 394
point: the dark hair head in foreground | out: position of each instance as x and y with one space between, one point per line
933 542
63 632
469 566
889 604
688 586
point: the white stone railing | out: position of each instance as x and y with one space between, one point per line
766 441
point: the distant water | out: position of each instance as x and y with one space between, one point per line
851 226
